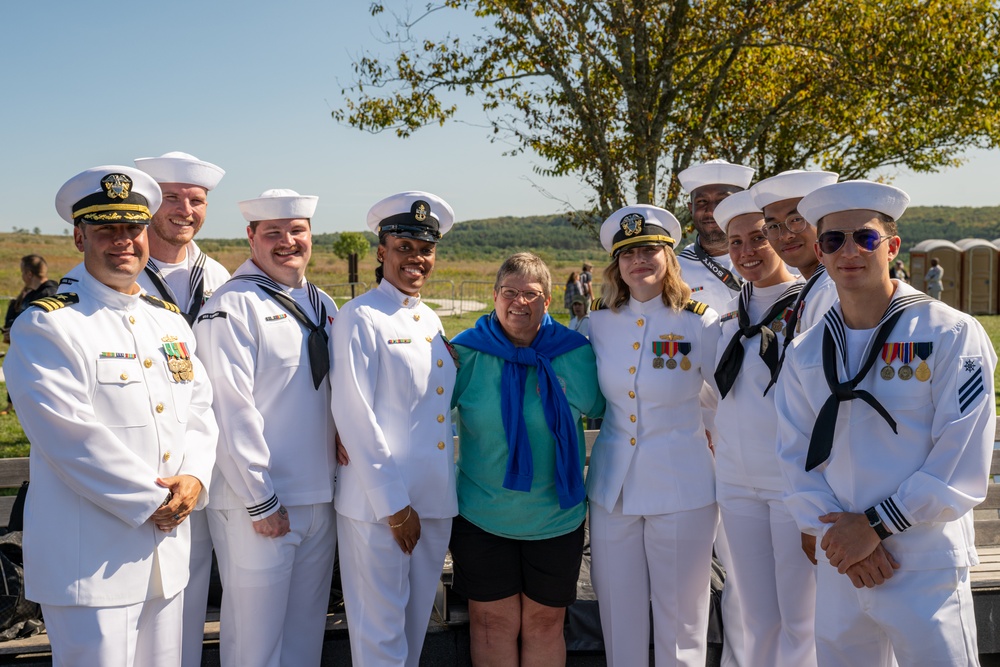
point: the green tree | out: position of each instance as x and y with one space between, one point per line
624 94
351 243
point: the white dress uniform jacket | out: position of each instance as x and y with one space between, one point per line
652 448
924 480
395 375
276 437
816 303
705 285
106 418
183 278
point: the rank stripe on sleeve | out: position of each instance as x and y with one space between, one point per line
972 389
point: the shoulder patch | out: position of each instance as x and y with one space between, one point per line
56 301
598 304
696 307
160 303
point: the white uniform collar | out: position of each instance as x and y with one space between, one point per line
397 297
249 268
646 307
113 298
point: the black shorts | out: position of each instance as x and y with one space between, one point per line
489 567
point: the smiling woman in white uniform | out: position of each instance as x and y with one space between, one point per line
396 497
763 537
652 479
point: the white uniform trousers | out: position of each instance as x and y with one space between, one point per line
389 595
196 592
924 617
274 588
777 581
733 631
146 634
666 557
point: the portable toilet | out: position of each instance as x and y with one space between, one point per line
979 275
949 257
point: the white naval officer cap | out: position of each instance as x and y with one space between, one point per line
109 194
279 204
736 204
791 184
860 195
639 225
177 167
715 172
414 214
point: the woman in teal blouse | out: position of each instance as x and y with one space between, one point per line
524 380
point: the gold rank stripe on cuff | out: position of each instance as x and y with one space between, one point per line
56 301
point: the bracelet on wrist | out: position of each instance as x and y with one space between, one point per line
409 511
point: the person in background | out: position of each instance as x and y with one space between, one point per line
651 482
587 282
886 419
180 273
517 543
897 271
934 278
573 289
118 410
777 581
35 275
395 371
580 321
266 333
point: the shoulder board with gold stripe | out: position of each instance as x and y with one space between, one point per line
598 304
56 301
160 303
696 307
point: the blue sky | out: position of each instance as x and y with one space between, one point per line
250 86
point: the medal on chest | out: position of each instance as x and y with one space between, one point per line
179 360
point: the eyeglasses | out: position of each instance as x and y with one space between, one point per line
528 295
794 223
866 240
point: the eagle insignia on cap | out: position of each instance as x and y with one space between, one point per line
117 186
632 224
420 211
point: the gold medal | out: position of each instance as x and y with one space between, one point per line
187 375
685 364
174 365
905 372
887 373
777 326
177 376
923 372
671 364
658 362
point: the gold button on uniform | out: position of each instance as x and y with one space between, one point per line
631 370
159 407
147 363
416 317
632 418
166 456
635 345
640 322
440 363
440 390
429 339
440 445
440 419
406 301
131 319
631 394
632 442
123 376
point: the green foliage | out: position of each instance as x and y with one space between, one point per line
350 243
553 237
624 94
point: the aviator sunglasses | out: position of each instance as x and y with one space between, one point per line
865 239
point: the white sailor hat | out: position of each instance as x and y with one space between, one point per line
791 184
736 204
177 167
279 204
715 172
109 194
853 196
641 224
416 215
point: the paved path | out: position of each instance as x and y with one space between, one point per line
456 306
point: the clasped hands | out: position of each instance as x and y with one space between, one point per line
854 548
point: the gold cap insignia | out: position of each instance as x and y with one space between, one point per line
117 186
632 224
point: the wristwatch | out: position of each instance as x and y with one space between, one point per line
875 521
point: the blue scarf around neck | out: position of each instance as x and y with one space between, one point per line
552 340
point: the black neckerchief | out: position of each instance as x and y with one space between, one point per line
727 277
793 322
196 285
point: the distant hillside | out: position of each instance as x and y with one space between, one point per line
949 222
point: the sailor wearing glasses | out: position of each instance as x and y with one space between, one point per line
651 483
394 371
886 424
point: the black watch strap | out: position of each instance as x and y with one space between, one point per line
875 521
